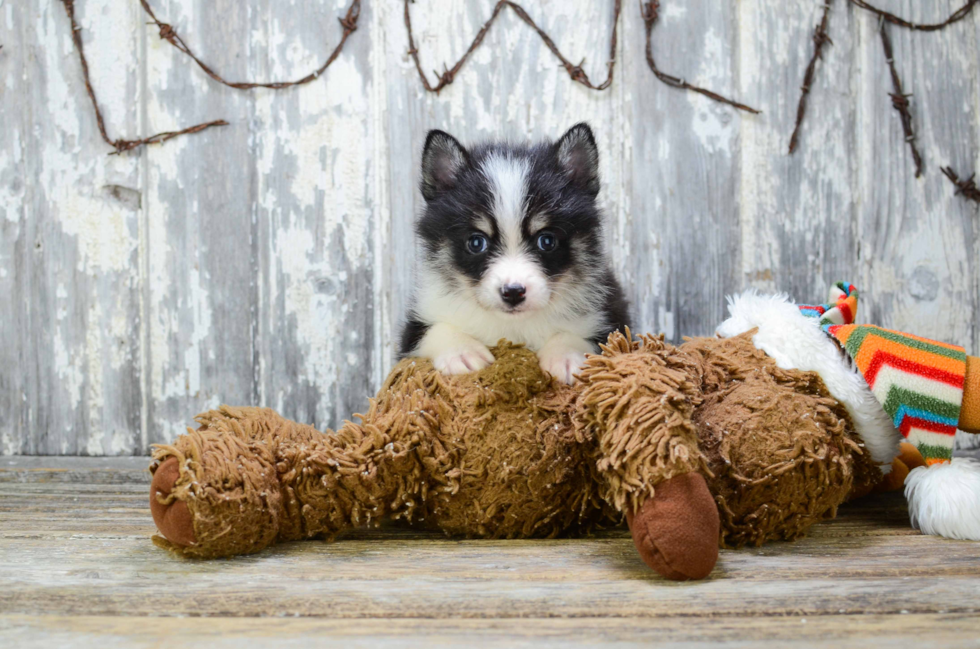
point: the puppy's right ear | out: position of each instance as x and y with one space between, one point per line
443 158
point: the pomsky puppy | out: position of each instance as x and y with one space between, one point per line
512 248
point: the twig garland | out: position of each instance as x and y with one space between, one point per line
650 11
576 72
820 39
956 16
348 23
169 34
968 188
900 100
120 145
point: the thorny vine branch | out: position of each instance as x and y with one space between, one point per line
169 34
576 72
820 39
966 187
900 100
120 145
956 16
650 13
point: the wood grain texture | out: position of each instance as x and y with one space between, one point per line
843 631
797 211
276 216
77 568
199 262
679 245
919 242
270 261
69 242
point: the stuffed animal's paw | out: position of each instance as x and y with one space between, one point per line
470 357
676 531
173 518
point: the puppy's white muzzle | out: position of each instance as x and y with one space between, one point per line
497 288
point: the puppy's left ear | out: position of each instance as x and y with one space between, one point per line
578 157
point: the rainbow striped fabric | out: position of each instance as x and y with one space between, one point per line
919 382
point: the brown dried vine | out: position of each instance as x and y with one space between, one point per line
348 23
120 145
169 34
968 188
576 72
650 11
900 100
954 17
820 39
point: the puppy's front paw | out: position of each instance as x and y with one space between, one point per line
462 359
562 364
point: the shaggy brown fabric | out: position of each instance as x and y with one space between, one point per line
638 400
782 452
507 452
491 454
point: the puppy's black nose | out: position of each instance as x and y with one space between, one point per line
513 294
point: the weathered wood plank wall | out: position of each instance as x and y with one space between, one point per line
269 261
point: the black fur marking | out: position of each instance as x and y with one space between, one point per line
412 335
442 159
578 156
615 308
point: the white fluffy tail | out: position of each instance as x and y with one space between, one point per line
944 499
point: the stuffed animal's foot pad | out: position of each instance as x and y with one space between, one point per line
173 519
463 360
676 531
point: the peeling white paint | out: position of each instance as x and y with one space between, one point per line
714 124
68 370
94 388
383 324
12 184
311 309
70 182
200 306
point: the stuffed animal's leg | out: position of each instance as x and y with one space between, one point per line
676 531
639 398
248 478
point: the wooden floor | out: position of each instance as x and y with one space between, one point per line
77 568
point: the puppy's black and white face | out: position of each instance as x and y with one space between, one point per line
516 228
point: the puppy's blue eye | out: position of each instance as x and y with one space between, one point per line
547 242
476 244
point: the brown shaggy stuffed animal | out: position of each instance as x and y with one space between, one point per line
701 445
